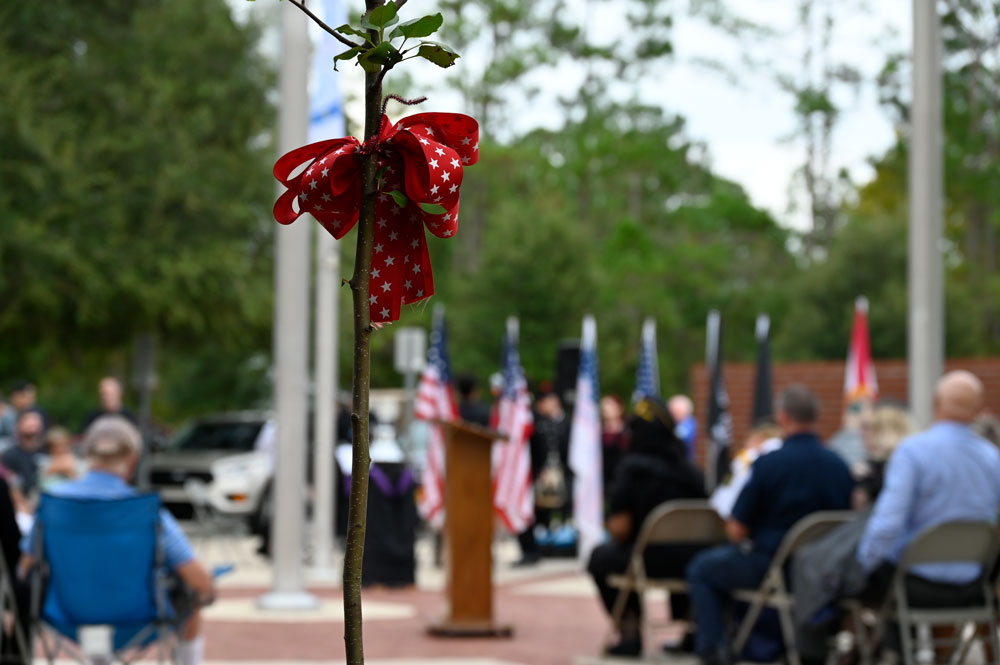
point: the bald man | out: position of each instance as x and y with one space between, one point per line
943 474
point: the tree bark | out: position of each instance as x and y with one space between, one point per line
360 287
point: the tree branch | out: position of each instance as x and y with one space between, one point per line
357 517
342 39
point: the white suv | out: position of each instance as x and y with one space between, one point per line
232 454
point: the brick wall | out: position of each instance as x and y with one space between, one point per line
827 380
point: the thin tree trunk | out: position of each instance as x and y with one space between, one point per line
360 285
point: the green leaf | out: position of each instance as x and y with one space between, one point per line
399 197
349 54
425 26
433 208
380 17
383 54
439 54
348 29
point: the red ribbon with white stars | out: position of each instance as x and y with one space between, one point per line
422 156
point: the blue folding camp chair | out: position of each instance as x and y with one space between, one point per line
100 564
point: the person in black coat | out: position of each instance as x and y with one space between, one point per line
10 539
655 470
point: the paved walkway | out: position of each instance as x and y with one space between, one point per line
553 608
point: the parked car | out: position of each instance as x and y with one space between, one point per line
231 453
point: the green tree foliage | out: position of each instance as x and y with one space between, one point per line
868 255
133 136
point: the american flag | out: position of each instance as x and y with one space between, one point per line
513 498
647 374
435 399
585 447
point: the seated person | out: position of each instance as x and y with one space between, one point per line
888 426
655 470
785 486
763 439
943 474
111 446
61 464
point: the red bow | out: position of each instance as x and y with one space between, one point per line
421 156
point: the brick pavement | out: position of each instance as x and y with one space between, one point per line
549 630
554 610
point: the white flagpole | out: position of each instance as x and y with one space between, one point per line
291 338
327 122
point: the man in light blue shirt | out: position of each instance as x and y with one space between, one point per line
943 474
111 446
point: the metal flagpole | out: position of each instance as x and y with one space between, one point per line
327 268
926 290
291 338
326 121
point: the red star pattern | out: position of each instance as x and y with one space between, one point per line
422 156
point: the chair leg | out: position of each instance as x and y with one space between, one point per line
756 607
994 641
617 611
905 626
788 634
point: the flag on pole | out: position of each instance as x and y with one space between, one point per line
326 112
435 400
585 447
647 374
513 496
763 406
859 379
720 422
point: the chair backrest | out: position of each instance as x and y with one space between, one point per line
681 521
809 528
951 542
102 556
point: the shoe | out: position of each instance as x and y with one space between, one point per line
686 645
528 560
719 657
629 647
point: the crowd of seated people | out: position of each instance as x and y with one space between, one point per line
109 452
899 484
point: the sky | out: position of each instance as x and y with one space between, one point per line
744 123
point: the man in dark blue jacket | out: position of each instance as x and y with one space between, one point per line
800 478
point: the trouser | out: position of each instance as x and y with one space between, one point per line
661 561
526 539
812 640
712 576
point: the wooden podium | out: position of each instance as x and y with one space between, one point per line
468 533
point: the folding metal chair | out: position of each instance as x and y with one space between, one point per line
773 592
101 567
950 542
680 522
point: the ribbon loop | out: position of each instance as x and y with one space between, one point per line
423 156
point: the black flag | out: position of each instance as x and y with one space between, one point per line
763 406
720 422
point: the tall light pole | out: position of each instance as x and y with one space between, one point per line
291 338
926 288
